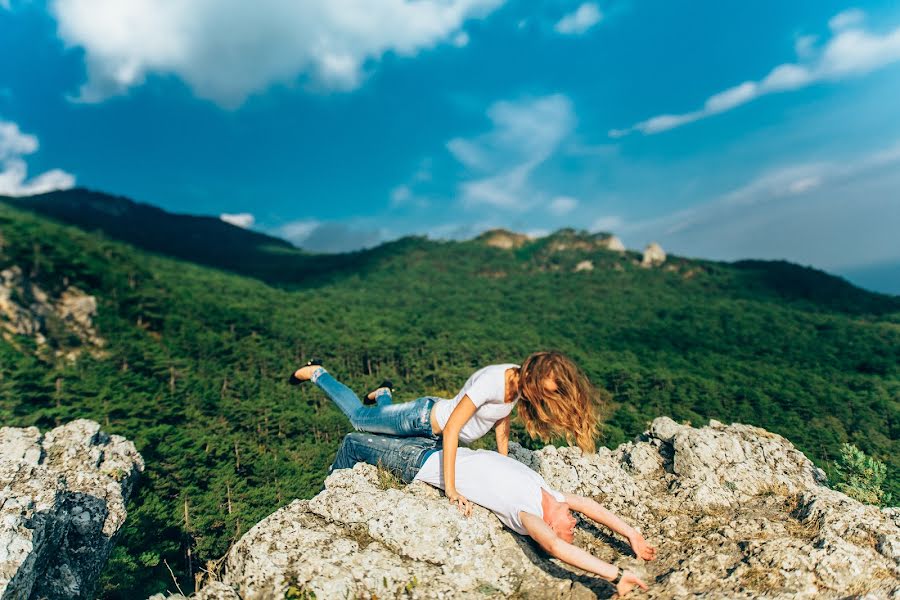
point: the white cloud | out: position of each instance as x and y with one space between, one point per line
330 236
400 195
243 220
524 135
14 143
226 50
804 46
827 213
804 184
562 205
405 195
585 16
850 51
845 19
461 39
731 97
608 224
14 172
296 232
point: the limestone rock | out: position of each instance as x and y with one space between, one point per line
653 256
62 502
615 244
25 309
584 265
571 239
736 512
501 238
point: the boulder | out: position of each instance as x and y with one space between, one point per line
584 265
736 512
653 256
614 243
62 502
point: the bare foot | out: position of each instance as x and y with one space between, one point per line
371 395
305 373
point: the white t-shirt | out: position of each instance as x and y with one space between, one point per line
499 483
486 388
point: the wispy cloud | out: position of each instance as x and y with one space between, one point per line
850 51
562 205
243 220
501 162
230 49
14 172
582 19
608 224
829 213
331 236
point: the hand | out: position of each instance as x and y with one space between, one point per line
462 503
640 546
628 582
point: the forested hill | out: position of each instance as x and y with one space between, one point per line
203 240
212 242
190 362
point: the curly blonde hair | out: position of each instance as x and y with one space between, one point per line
570 411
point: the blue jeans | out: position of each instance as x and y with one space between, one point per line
402 456
407 419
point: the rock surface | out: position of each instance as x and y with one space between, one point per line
736 512
26 309
62 501
653 256
503 239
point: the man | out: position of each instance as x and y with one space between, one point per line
519 497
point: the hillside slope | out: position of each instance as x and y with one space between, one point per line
194 360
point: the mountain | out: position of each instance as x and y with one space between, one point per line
212 242
189 362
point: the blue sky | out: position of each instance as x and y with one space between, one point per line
719 129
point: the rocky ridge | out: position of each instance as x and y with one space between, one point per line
62 502
736 512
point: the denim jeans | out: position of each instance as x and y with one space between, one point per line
407 419
402 456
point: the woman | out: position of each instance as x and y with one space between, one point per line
554 397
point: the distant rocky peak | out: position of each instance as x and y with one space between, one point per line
573 239
654 256
504 239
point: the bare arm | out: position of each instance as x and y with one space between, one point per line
501 430
575 556
593 510
462 413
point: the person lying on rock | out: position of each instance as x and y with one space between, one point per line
554 397
519 497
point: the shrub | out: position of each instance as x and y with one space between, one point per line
860 476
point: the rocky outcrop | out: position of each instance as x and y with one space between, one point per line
62 501
736 512
503 239
653 256
585 265
615 244
570 239
26 309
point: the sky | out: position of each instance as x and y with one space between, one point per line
719 129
